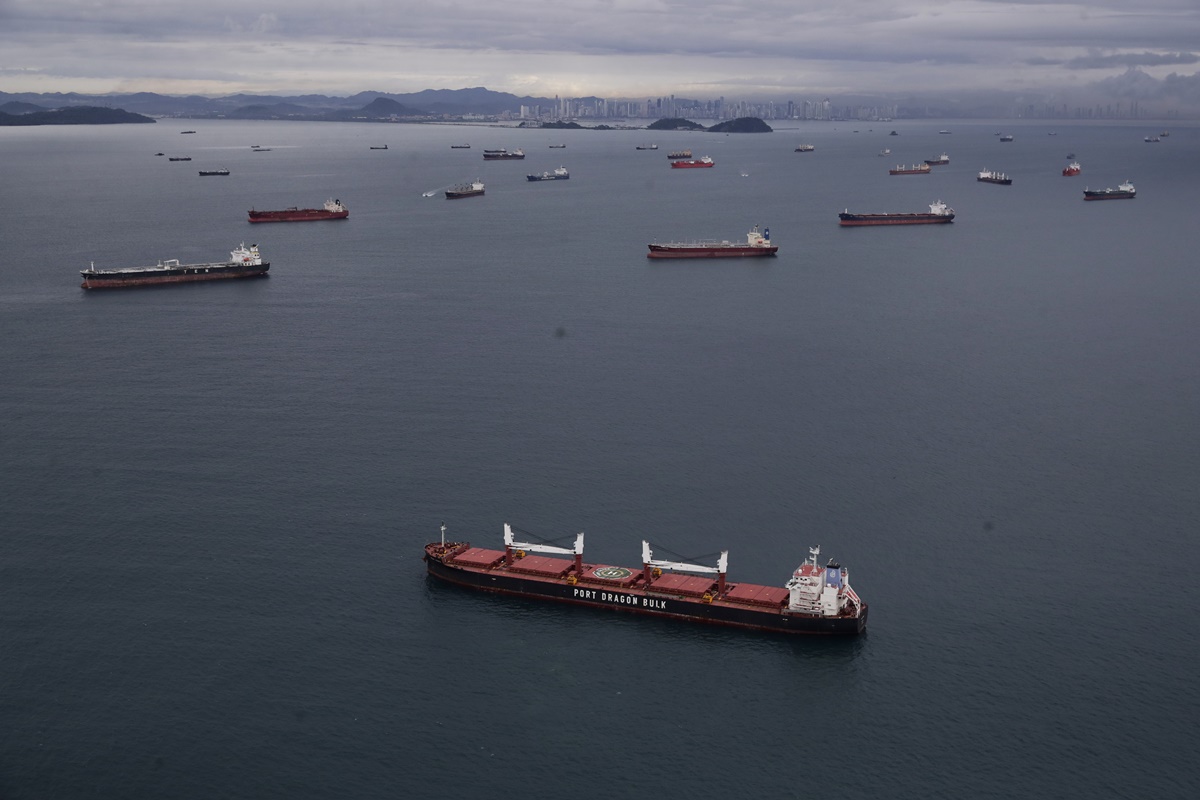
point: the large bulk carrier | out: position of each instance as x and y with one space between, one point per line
757 244
1125 190
816 600
938 213
333 210
242 263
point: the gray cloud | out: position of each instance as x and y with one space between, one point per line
579 47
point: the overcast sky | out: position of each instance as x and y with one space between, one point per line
613 48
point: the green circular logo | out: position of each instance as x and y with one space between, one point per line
612 573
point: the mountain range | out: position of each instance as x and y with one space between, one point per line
363 105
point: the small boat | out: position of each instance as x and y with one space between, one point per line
460 147
942 159
1165 133
987 176
379 147
679 154
944 132
893 133
646 147
938 213
915 169
465 190
692 163
1072 169
1124 191
1152 139
179 158
187 131
1008 137
1071 156
806 148
559 174
260 149
160 154
887 151
221 171
557 146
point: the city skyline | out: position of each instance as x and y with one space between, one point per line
1080 53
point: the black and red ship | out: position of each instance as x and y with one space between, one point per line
243 263
816 600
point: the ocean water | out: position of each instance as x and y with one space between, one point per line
214 497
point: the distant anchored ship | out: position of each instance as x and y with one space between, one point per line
243 263
333 210
938 213
757 244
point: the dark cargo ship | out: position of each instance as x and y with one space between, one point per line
817 600
333 210
465 190
758 243
242 263
1124 191
938 213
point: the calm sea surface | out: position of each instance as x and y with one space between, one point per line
214 497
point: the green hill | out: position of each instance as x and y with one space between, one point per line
81 115
741 125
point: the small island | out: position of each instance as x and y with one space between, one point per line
739 125
742 125
674 124
81 115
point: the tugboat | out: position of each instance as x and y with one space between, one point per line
1072 169
915 169
242 263
938 213
559 174
1123 192
333 210
465 190
692 163
988 176
816 600
756 244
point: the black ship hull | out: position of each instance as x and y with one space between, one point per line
647 602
